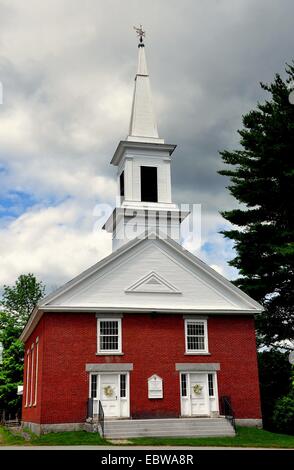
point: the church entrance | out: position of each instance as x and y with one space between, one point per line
199 395
112 389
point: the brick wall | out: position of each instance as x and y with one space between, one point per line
153 344
32 412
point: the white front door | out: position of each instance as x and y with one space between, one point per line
113 390
199 397
109 394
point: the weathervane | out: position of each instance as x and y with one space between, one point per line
140 33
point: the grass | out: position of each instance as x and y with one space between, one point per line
246 437
51 439
9 439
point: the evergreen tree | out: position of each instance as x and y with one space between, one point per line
261 176
17 304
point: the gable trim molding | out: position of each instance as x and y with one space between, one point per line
161 285
253 306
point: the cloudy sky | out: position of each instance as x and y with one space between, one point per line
67 69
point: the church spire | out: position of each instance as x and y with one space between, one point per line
143 126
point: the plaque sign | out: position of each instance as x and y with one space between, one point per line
155 389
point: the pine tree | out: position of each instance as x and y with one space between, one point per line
261 176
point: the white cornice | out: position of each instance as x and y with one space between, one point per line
124 145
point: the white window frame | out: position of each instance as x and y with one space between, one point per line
27 378
213 374
187 380
36 372
109 351
196 351
32 375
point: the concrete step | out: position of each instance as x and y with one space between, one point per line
190 427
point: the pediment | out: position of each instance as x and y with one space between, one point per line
152 283
131 279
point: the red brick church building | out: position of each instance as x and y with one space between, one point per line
150 334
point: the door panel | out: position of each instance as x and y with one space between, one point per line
199 394
109 394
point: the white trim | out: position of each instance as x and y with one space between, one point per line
254 307
32 375
114 309
36 373
196 351
140 285
27 378
109 351
181 395
212 400
119 399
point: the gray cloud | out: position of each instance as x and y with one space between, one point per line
67 68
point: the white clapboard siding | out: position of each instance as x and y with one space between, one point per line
152 274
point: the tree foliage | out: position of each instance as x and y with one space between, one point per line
261 177
19 300
17 303
283 416
275 382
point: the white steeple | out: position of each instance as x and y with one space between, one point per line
143 126
143 161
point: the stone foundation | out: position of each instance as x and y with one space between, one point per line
46 428
249 423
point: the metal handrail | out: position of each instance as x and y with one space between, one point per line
227 410
101 417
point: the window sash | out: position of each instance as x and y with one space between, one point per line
123 386
196 336
211 385
94 381
184 385
109 335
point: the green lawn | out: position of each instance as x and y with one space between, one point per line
54 439
246 437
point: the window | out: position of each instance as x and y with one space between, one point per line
196 336
122 184
184 385
149 184
27 377
109 336
123 384
36 372
210 385
94 386
32 376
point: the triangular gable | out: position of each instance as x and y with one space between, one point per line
107 284
152 283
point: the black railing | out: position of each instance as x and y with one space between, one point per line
101 418
227 410
90 408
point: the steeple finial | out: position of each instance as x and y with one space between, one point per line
140 33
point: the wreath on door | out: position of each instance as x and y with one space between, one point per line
197 389
108 391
